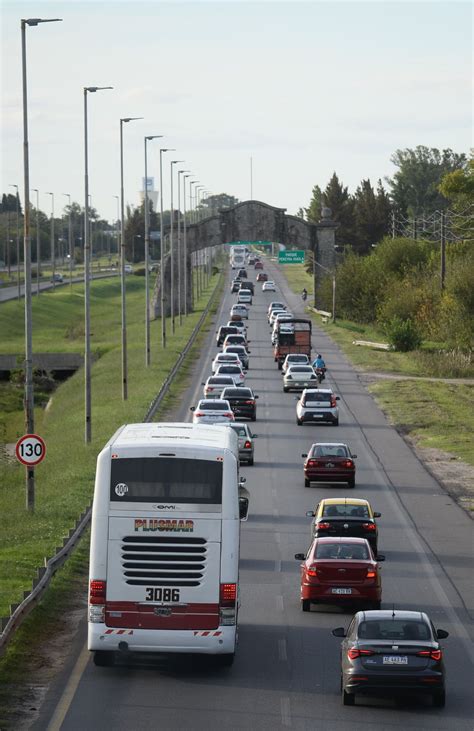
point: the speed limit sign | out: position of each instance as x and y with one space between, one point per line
30 450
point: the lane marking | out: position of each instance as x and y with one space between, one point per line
279 602
282 653
278 566
285 710
69 691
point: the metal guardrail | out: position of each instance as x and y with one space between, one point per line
18 612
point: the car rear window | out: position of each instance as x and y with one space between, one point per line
301 369
297 359
220 380
330 450
342 551
394 629
229 369
346 511
319 397
213 406
238 392
240 430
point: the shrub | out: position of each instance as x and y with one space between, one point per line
403 335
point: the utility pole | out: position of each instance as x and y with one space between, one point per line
443 248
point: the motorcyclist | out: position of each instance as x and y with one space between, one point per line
304 294
318 362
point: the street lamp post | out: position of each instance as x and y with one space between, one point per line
12 185
87 251
51 245
191 183
333 274
147 256
199 189
173 162
180 254
185 248
123 120
118 225
162 249
29 392
69 236
38 244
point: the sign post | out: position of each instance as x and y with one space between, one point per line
30 450
291 257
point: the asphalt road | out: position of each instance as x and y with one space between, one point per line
286 673
11 292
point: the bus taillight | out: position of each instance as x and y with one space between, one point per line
228 601
97 600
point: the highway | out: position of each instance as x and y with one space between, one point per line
286 673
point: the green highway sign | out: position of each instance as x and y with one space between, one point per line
291 257
249 243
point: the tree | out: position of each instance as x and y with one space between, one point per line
414 188
337 198
8 204
214 203
313 212
371 216
458 186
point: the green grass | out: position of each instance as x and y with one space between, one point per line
64 481
297 278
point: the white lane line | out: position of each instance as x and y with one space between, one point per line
282 653
278 566
285 709
277 537
70 691
279 603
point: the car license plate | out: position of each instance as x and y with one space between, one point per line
341 591
330 464
395 660
317 416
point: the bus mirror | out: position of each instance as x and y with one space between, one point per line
243 508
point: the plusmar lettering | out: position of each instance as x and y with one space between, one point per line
163 524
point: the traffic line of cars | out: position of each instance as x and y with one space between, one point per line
383 651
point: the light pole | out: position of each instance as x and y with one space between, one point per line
38 244
52 252
69 236
118 225
173 162
136 236
180 303
87 251
147 256
162 248
12 185
29 392
200 188
185 248
333 274
123 120
194 182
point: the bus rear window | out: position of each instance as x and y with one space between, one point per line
166 478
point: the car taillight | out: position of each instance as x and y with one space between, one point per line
210 388
312 571
250 402
313 463
371 574
228 595
229 414
97 591
354 653
333 401
433 654
369 526
323 526
348 463
247 445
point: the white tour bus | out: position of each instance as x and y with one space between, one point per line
237 257
164 562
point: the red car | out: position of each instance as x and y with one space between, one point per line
329 462
340 570
258 265
262 277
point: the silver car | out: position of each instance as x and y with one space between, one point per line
298 377
214 385
212 411
317 404
224 359
294 359
246 445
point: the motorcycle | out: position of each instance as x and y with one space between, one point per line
320 374
304 296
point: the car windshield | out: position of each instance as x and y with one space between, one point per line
330 450
213 406
346 511
394 629
342 551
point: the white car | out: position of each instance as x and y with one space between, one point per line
280 315
317 404
128 269
294 359
275 306
214 385
268 286
299 377
235 339
239 324
212 411
244 297
241 310
234 371
222 358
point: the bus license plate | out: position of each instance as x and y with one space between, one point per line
395 660
341 591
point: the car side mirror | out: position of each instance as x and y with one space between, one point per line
304 455
441 634
254 436
192 408
354 456
380 557
243 508
203 384
310 513
339 632
338 398
256 396
377 515
300 556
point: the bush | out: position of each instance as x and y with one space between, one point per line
403 335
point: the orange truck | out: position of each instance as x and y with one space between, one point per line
293 336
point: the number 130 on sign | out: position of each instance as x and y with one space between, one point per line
30 450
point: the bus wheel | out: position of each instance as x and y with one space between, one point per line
104 659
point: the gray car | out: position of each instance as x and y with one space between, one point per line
246 441
298 377
317 404
242 352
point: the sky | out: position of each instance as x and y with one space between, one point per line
302 89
